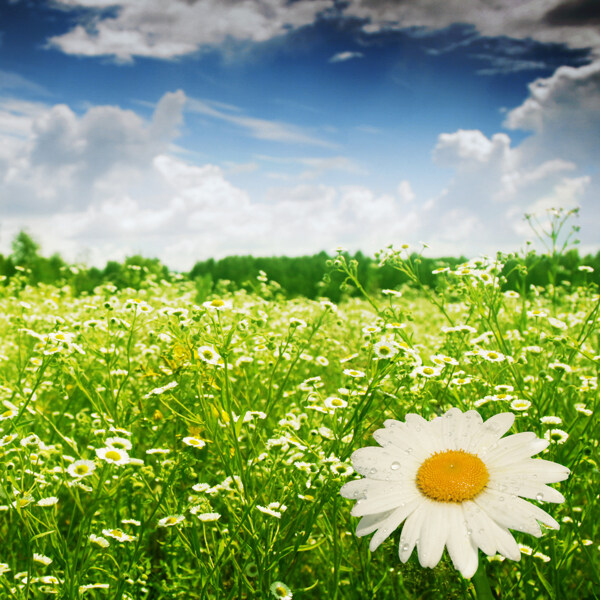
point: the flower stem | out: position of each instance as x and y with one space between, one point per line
483 591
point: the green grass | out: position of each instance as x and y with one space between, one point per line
75 372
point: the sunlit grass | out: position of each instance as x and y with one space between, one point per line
156 447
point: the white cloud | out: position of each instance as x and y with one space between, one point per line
494 186
167 30
60 159
547 21
344 56
405 192
563 111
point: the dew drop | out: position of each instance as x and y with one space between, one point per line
404 547
395 466
539 497
373 471
501 498
409 451
469 532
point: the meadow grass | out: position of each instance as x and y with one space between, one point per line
155 446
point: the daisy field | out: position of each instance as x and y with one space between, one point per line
423 442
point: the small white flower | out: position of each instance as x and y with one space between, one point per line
114 456
281 591
171 520
50 501
194 442
81 468
556 436
208 517
119 443
333 403
42 559
355 373
99 540
118 535
551 420
519 404
426 371
208 354
218 304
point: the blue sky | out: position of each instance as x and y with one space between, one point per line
186 130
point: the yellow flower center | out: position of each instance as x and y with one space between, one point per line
113 455
452 476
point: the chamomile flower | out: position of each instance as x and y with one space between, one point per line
118 535
385 349
333 403
355 373
81 468
208 517
426 371
171 520
520 404
114 456
99 540
118 443
492 355
551 420
455 483
281 591
218 304
209 355
556 436
194 442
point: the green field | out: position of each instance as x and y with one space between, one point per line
158 445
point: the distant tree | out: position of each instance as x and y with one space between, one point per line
24 250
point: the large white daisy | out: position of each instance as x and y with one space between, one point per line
456 483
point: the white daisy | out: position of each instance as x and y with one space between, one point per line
208 354
81 468
457 484
194 442
112 455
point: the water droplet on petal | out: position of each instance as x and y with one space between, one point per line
373 471
539 497
404 547
395 466
409 451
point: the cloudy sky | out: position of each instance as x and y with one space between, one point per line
195 128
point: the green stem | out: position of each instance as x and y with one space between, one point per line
483 591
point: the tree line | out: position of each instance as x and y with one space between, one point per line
309 276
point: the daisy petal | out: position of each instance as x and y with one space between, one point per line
433 535
380 502
480 527
463 553
380 463
371 523
390 524
507 512
411 531
514 448
491 431
542 470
